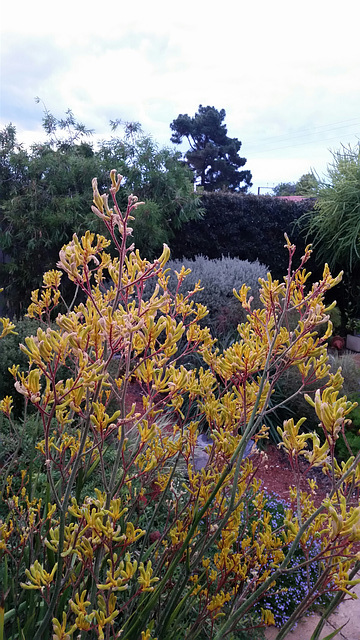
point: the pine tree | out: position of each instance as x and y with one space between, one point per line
213 156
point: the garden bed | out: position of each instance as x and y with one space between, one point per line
277 476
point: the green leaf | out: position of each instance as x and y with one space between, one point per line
332 634
2 611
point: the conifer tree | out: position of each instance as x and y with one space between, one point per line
213 156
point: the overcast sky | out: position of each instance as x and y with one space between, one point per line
286 72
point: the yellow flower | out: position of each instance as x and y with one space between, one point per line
146 635
59 629
38 577
145 578
217 602
8 327
6 405
267 616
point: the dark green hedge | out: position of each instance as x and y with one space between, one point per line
248 227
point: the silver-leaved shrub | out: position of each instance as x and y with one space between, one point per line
218 279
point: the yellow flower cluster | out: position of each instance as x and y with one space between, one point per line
7 327
218 533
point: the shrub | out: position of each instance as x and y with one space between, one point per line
295 404
247 227
334 224
10 353
159 549
218 278
350 371
351 433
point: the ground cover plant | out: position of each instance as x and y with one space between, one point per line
121 536
291 589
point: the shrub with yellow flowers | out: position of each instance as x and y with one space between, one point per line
128 537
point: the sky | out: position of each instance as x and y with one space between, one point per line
286 72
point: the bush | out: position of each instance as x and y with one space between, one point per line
294 404
10 353
351 432
247 227
334 224
218 278
158 548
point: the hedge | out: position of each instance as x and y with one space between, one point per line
248 227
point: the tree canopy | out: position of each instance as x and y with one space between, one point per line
307 186
213 156
45 193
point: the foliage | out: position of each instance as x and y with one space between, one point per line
160 179
307 186
17 447
352 444
291 589
8 145
349 440
294 404
45 193
353 325
219 278
334 225
284 189
153 551
213 156
9 353
246 227
47 199
63 132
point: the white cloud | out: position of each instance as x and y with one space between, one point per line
277 68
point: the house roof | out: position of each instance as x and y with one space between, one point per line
294 198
